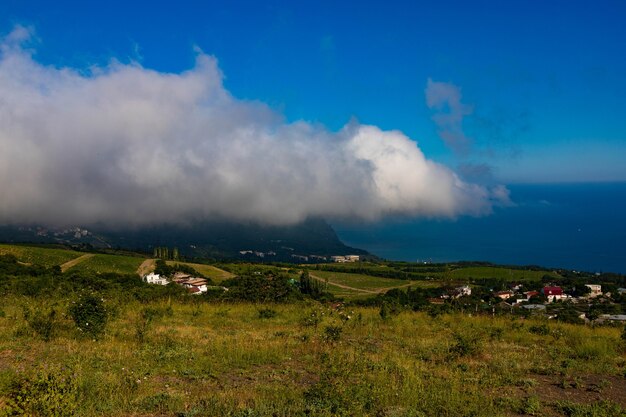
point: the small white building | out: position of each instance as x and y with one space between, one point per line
462 291
153 278
620 318
596 290
195 285
345 258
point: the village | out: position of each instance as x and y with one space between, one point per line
546 301
194 285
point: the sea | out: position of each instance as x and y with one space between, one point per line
573 226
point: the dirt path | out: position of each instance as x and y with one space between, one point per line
346 287
67 265
146 267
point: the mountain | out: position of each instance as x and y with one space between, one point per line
312 240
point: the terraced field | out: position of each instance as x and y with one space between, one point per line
39 255
100 263
495 272
209 271
352 286
359 281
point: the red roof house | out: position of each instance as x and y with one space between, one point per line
552 291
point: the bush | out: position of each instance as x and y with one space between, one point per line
312 319
388 310
531 406
467 344
541 329
90 315
43 323
332 333
267 313
53 392
597 409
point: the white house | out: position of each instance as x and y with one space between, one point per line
153 278
596 290
195 285
462 291
345 258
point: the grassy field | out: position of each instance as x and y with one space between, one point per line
360 281
495 272
100 263
224 359
164 352
39 255
216 274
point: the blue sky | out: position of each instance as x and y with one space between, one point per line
546 81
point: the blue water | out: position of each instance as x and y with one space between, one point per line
574 226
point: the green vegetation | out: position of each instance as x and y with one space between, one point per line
359 281
44 256
101 264
82 343
507 274
209 271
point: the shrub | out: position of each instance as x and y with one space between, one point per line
466 344
90 315
531 406
597 409
388 310
42 322
541 329
332 333
53 392
267 313
312 319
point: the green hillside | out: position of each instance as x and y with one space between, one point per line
39 255
101 263
217 275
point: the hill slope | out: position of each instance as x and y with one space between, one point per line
203 240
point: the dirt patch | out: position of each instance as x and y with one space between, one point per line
345 287
146 267
581 389
67 265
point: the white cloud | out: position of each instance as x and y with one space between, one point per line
126 145
445 99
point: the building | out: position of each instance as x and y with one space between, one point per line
504 295
181 275
531 294
596 290
153 278
195 285
553 293
534 307
462 291
619 318
345 258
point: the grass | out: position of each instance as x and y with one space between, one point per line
100 263
495 272
224 359
359 281
216 274
39 255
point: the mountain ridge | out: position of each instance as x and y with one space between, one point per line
310 241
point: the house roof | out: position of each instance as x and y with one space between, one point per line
196 281
534 307
552 291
